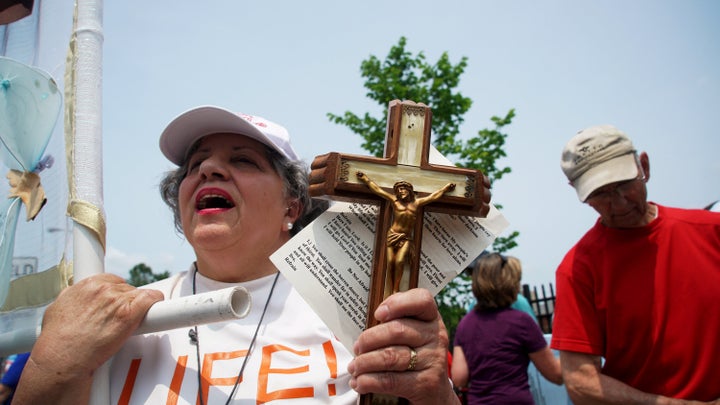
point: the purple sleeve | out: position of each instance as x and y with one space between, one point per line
458 334
535 338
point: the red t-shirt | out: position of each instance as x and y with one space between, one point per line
647 300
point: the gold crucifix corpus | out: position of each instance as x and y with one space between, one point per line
446 189
399 237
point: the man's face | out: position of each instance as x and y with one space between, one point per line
621 204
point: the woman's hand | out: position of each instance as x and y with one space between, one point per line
85 326
406 354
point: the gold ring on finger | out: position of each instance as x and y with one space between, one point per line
413 360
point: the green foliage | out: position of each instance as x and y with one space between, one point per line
405 76
141 274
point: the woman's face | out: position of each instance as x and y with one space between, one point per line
232 198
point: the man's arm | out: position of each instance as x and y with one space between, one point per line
586 385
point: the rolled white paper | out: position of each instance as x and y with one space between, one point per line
214 306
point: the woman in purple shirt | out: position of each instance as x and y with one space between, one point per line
495 343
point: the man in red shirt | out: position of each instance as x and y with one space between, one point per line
639 290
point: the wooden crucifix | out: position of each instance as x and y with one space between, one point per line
405 166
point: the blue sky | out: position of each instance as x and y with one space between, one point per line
651 68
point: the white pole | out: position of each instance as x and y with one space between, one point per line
88 252
88 260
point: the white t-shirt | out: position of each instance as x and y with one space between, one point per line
296 359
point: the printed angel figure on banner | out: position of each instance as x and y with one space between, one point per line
30 103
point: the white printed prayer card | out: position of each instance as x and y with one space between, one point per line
329 262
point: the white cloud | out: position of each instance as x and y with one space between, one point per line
120 263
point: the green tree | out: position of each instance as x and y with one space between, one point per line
142 274
405 76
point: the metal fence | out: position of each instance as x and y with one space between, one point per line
543 303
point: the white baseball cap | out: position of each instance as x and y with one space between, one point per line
597 156
188 127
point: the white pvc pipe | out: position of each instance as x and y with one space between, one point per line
214 306
88 256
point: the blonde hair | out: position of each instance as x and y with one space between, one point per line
496 281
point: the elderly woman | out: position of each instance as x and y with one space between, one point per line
239 193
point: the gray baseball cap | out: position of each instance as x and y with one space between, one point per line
597 156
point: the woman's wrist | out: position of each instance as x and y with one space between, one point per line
42 380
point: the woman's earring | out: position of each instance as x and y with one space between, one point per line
290 225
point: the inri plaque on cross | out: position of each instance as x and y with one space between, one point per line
403 183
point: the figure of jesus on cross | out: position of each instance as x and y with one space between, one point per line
404 184
399 240
405 169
